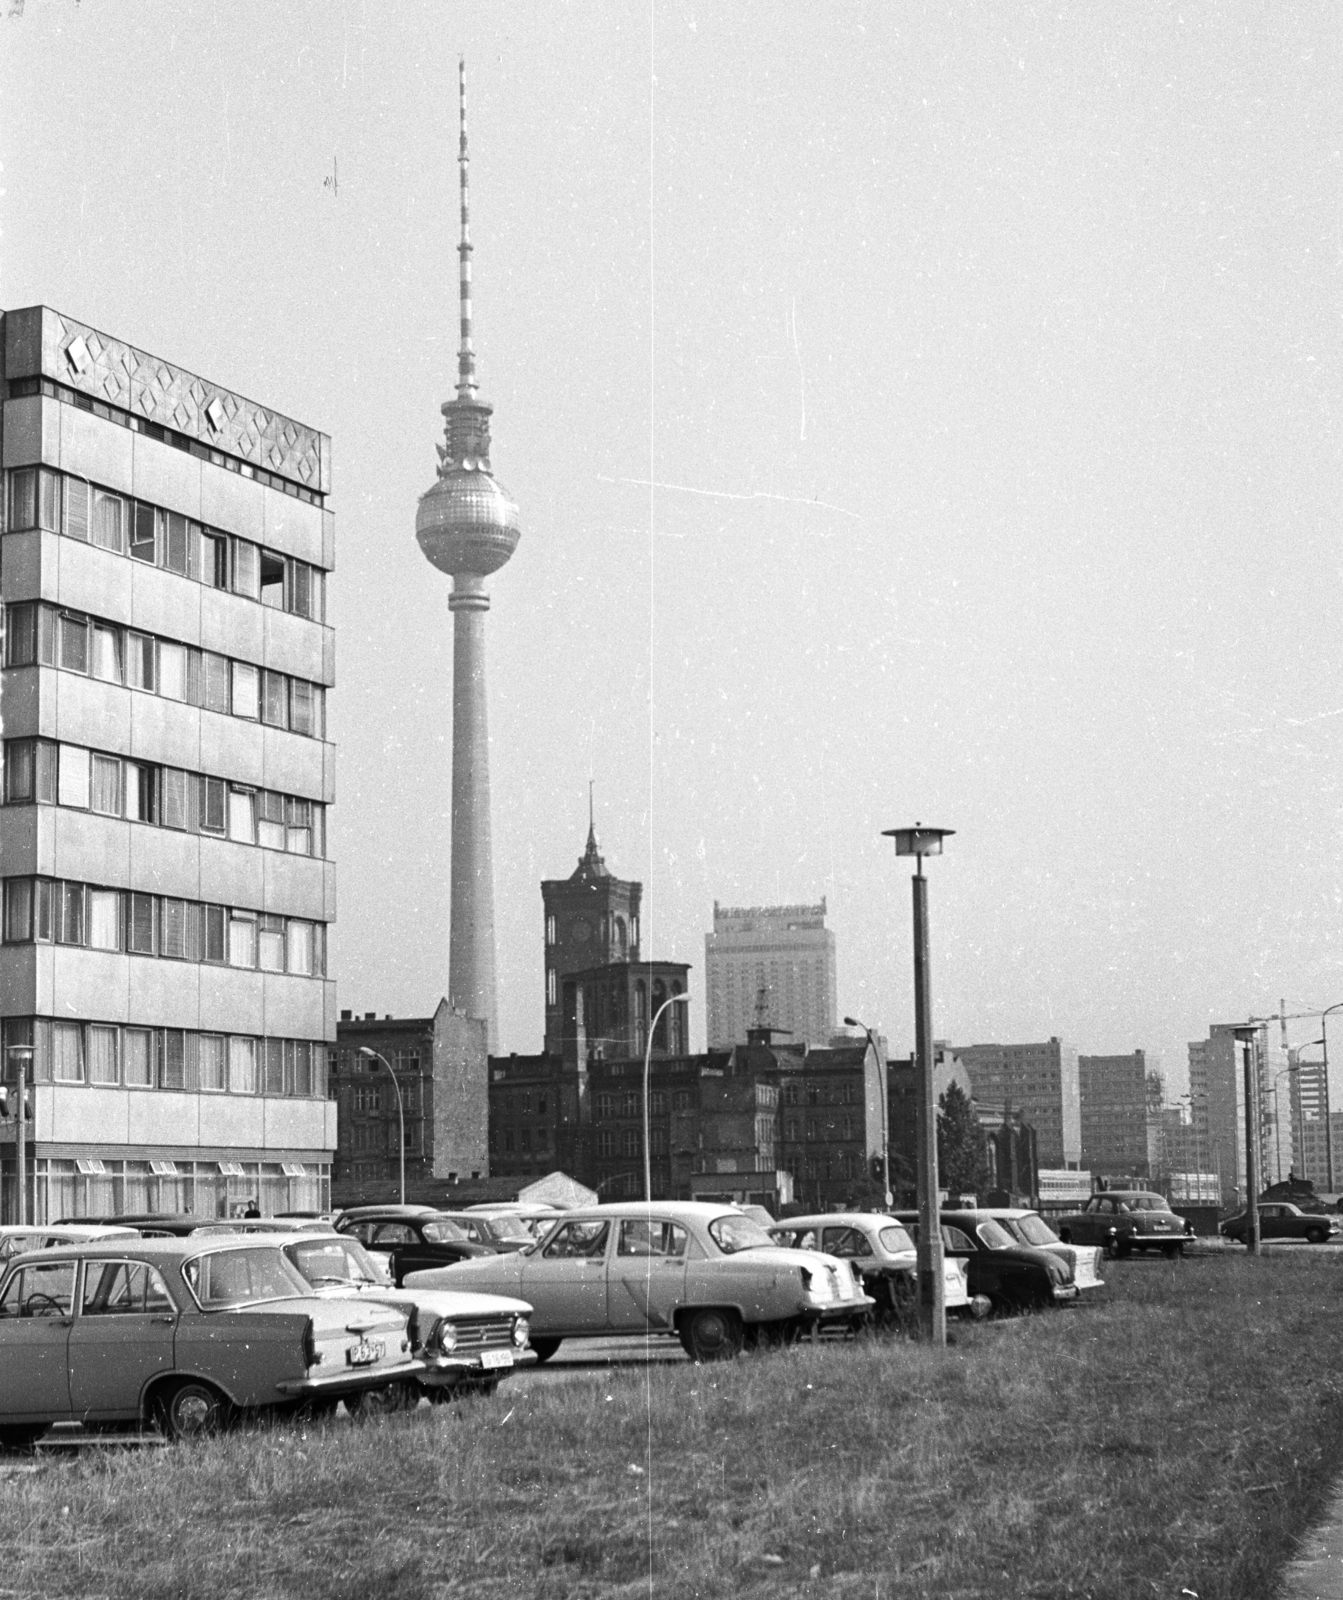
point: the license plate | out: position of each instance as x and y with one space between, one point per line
366 1352
496 1358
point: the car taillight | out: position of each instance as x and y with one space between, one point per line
312 1357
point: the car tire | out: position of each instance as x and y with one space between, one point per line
1109 1248
1123 1248
711 1334
543 1349
21 1436
385 1401
1316 1235
191 1410
1172 1252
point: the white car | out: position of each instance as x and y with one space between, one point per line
16 1240
701 1271
467 1342
1029 1227
882 1252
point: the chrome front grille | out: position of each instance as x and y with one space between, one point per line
483 1333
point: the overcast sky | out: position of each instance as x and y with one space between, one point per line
984 364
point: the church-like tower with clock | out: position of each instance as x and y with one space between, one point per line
591 920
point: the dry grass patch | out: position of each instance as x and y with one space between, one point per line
1178 1437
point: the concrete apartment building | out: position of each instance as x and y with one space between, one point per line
1039 1081
167 891
770 966
1217 1100
1114 1115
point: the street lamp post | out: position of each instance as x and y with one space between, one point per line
1246 1036
1328 1119
671 1000
1282 1072
22 1054
373 1055
918 842
853 1022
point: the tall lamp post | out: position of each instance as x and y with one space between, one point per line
1246 1036
918 842
22 1054
373 1055
1283 1072
671 1000
1328 1119
853 1022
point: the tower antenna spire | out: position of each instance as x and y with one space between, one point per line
466 355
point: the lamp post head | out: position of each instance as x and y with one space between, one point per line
853 1022
369 1055
918 840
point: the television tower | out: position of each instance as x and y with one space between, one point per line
467 526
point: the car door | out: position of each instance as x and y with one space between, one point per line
1271 1222
122 1337
646 1278
565 1278
36 1315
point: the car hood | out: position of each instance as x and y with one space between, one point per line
439 1302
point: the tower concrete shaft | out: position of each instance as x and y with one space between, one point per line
471 981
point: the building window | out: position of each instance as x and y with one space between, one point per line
606 1105
631 1106
550 930
551 986
657 1141
606 1143
681 1100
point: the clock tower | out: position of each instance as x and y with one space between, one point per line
591 920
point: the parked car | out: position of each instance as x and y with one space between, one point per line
882 1252
467 1342
703 1272
1279 1219
265 1225
1030 1228
409 1237
1121 1221
496 1230
1011 1276
535 1218
186 1333
16 1240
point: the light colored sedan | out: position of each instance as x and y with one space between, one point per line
882 1252
468 1342
704 1272
16 1240
1029 1227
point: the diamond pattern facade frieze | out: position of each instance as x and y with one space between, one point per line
115 372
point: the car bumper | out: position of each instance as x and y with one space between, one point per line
448 1372
1065 1291
350 1382
837 1310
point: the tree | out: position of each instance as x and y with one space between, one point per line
962 1150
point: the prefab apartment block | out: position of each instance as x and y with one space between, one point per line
167 779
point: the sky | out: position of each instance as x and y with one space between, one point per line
918 412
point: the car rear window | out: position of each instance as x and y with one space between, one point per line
242 1278
994 1235
895 1239
442 1231
734 1232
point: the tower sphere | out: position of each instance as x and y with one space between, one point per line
467 524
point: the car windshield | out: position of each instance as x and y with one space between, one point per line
994 1235
242 1278
441 1231
736 1232
342 1261
894 1238
508 1227
1033 1230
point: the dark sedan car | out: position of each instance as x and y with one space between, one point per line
1124 1220
1011 1276
410 1238
1279 1219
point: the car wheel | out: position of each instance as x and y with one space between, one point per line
1171 1251
21 1436
1109 1248
383 1401
1123 1248
1316 1235
711 1334
543 1349
1066 1237
192 1411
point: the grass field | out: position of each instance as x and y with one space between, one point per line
1174 1439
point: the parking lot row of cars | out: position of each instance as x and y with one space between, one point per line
184 1321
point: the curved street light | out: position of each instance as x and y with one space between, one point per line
373 1055
672 1000
853 1022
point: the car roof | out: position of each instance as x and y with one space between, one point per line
1008 1213
57 1229
163 1249
391 1212
830 1219
688 1210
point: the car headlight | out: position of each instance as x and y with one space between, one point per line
445 1337
521 1329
